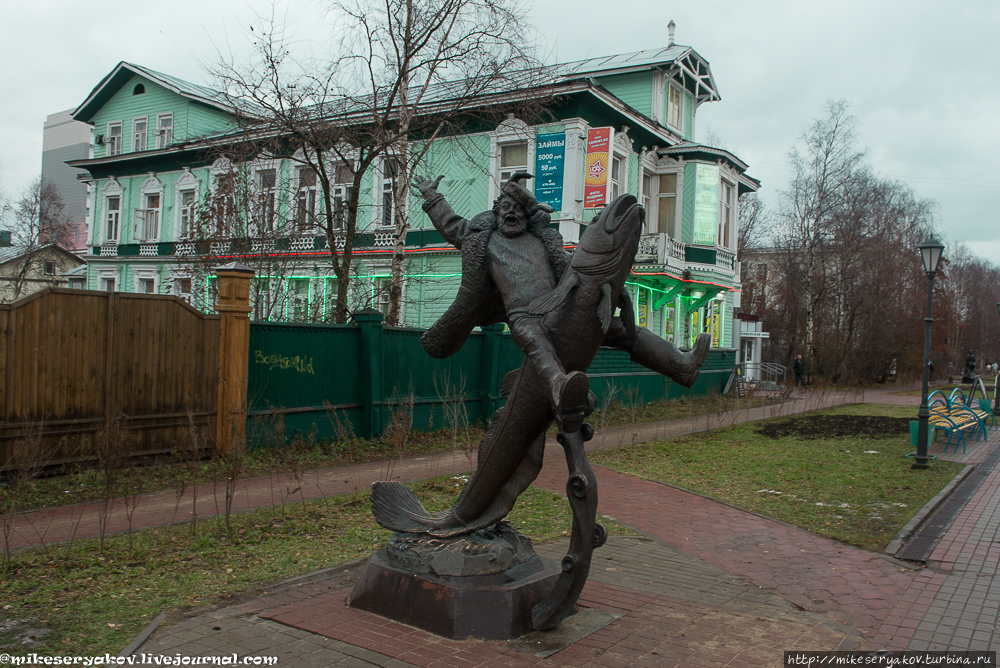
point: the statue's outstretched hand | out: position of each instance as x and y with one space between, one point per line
427 186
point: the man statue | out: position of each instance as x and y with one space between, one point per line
510 258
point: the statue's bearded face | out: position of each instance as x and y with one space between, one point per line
512 217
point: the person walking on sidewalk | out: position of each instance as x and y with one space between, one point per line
800 369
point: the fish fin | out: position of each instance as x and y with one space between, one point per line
552 299
396 508
507 384
604 309
627 312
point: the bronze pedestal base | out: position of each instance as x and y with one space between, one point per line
491 607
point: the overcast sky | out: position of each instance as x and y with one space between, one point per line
922 77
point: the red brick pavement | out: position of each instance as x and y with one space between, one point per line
654 631
845 583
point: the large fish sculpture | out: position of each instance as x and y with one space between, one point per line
577 313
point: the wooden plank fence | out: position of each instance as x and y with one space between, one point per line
74 362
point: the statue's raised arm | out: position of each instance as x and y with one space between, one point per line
453 227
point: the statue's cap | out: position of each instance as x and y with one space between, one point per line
519 193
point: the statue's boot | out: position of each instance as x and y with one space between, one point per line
572 403
660 355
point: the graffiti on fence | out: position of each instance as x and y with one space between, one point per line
278 361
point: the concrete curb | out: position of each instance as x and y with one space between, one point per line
911 527
144 636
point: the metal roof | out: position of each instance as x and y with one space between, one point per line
636 59
124 71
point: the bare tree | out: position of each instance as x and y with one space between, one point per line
36 220
823 172
424 62
753 224
406 73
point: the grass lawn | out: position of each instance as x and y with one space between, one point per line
856 489
92 602
304 453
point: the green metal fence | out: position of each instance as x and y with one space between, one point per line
314 377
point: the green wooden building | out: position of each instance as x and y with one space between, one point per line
153 169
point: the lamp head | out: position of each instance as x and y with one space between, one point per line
930 255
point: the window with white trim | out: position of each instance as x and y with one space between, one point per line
147 219
164 130
186 213
617 176
513 159
647 201
112 217
666 205
138 134
49 268
267 181
725 214
108 284
341 194
390 170
183 287
305 201
675 107
298 300
114 139
147 281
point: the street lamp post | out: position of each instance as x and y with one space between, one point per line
996 381
930 255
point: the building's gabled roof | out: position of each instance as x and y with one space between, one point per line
118 77
8 253
682 63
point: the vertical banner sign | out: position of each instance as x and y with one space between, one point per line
706 204
597 168
716 325
642 310
550 158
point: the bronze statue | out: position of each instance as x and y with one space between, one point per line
560 311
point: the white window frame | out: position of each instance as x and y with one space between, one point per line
220 169
113 141
306 199
341 193
675 201
675 111
294 301
266 214
620 151
179 274
139 275
164 136
510 131
148 228
140 139
726 208
112 190
385 194
187 183
106 274
505 172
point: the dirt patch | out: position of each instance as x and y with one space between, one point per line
837 426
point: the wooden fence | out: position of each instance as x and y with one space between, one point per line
75 363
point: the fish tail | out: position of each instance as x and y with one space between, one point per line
396 508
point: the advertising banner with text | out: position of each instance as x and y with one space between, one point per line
706 204
597 167
550 159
